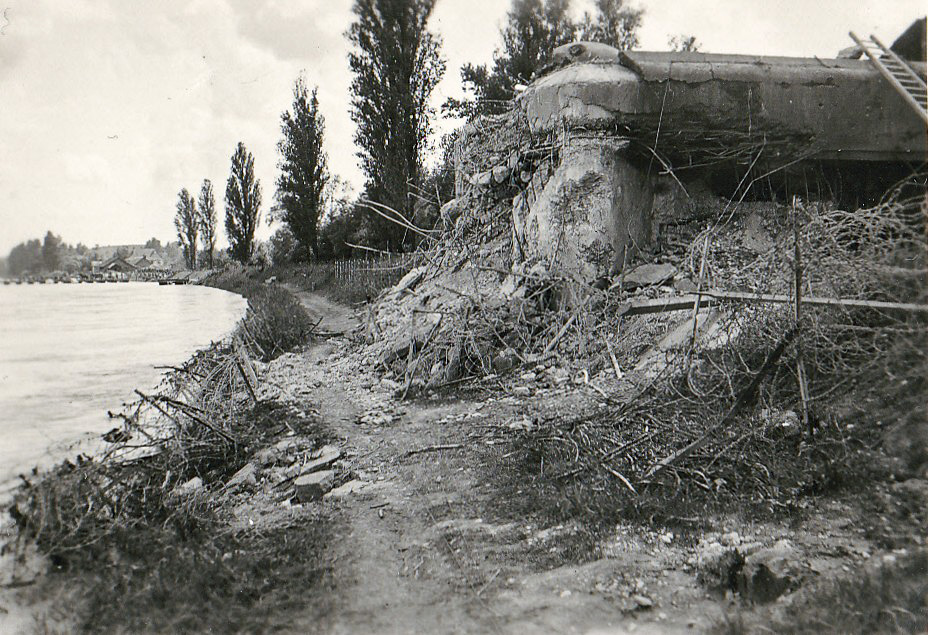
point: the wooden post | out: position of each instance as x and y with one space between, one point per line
800 366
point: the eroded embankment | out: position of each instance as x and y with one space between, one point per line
145 536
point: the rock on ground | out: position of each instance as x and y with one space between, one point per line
311 487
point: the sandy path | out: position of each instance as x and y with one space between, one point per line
336 318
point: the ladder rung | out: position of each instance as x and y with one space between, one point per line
902 77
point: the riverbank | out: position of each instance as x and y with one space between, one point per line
134 522
72 352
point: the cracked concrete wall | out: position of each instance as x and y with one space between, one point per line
844 107
592 212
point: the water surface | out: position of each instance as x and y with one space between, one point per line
70 352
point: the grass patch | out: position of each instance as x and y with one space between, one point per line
275 321
251 582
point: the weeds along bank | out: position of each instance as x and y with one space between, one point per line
274 322
145 537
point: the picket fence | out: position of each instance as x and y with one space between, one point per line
366 276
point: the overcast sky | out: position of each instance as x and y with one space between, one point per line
109 107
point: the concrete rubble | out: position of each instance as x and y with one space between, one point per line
321 458
313 486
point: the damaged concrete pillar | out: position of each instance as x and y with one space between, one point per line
592 213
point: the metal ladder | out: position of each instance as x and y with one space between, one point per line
900 75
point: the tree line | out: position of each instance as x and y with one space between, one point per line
396 63
52 254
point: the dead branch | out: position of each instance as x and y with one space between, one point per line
744 398
435 448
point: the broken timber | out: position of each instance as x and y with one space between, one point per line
710 297
744 398
246 369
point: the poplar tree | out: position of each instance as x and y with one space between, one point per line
206 219
243 204
303 170
186 222
396 63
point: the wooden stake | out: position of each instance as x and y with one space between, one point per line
246 369
797 293
615 362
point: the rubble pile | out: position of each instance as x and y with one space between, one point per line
729 374
757 399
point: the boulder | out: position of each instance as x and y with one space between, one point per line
643 601
408 282
501 174
451 211
348 488
915 489
311 487
390 385
190 488
401 347
245 476
483 179
280 452
685 285
755 236
770 572
265 457
505 361
718 566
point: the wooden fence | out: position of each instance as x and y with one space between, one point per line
361 278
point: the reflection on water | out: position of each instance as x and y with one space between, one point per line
69 353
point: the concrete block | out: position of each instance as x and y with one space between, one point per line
311 487
245 476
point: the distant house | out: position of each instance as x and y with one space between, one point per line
118 264
140 262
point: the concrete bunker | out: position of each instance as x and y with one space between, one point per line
641 137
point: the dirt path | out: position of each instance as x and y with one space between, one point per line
419 552
335 318
431 542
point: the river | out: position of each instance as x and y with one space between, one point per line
70 352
